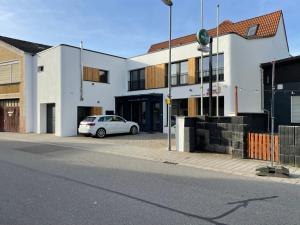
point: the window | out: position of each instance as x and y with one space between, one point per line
118 119
95 75
103 76
214 65
41 69
295 109
137 80
89 119
179 73
10 73
252 30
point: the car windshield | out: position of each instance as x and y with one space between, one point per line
89 119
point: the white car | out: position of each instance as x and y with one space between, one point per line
100 126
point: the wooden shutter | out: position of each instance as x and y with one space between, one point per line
192 70
96 111
192 107
155 76
5 74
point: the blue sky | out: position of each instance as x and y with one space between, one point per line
129 27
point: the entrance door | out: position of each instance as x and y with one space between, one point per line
50 118
11 119
156 117
1 119
139 113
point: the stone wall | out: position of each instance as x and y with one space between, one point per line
224 134
289 145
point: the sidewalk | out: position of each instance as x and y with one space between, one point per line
153 147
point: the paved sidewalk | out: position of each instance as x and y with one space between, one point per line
153 147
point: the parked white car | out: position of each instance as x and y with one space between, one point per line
100 126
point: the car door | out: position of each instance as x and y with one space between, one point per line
118 124
123 125
108 125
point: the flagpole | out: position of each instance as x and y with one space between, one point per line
218 23
201 64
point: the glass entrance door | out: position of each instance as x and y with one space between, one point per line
138 113
156 117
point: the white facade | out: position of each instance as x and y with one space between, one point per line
59 83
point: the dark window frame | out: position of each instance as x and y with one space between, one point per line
106 75
206 72
139 83
178 74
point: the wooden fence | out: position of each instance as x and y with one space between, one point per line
259 147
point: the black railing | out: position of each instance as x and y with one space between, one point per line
136 85
214 77
178 80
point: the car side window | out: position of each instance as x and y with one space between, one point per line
108 119
120 119
117 119
101 119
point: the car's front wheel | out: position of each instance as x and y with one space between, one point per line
133 130
101 133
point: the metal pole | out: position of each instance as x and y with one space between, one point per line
218 7
210 76
272 114
169 80
201 64
81 71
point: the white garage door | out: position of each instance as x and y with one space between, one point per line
295 108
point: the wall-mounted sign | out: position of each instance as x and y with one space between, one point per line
215 90
10 113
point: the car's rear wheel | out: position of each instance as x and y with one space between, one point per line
133 130
101 133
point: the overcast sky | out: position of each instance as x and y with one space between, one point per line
129 27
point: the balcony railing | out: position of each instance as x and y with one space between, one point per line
136 85
214 77
178 80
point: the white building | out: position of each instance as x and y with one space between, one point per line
71 84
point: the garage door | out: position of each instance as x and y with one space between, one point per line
9 116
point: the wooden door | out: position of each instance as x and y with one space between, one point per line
1 119
11 119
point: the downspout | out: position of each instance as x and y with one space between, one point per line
262 90
81 71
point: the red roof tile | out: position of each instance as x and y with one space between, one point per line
267 27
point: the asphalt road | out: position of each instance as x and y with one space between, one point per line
51 184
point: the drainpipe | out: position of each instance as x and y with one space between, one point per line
262 89
81 71
236 100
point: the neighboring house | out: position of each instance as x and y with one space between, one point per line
17 84
72 83
287 93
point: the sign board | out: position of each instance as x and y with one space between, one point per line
168 101
202 37
203 48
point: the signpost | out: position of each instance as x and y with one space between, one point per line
204 39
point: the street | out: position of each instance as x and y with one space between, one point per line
44 183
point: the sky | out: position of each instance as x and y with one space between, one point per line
128 27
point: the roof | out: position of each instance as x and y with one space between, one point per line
267 27
292 59
25 46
